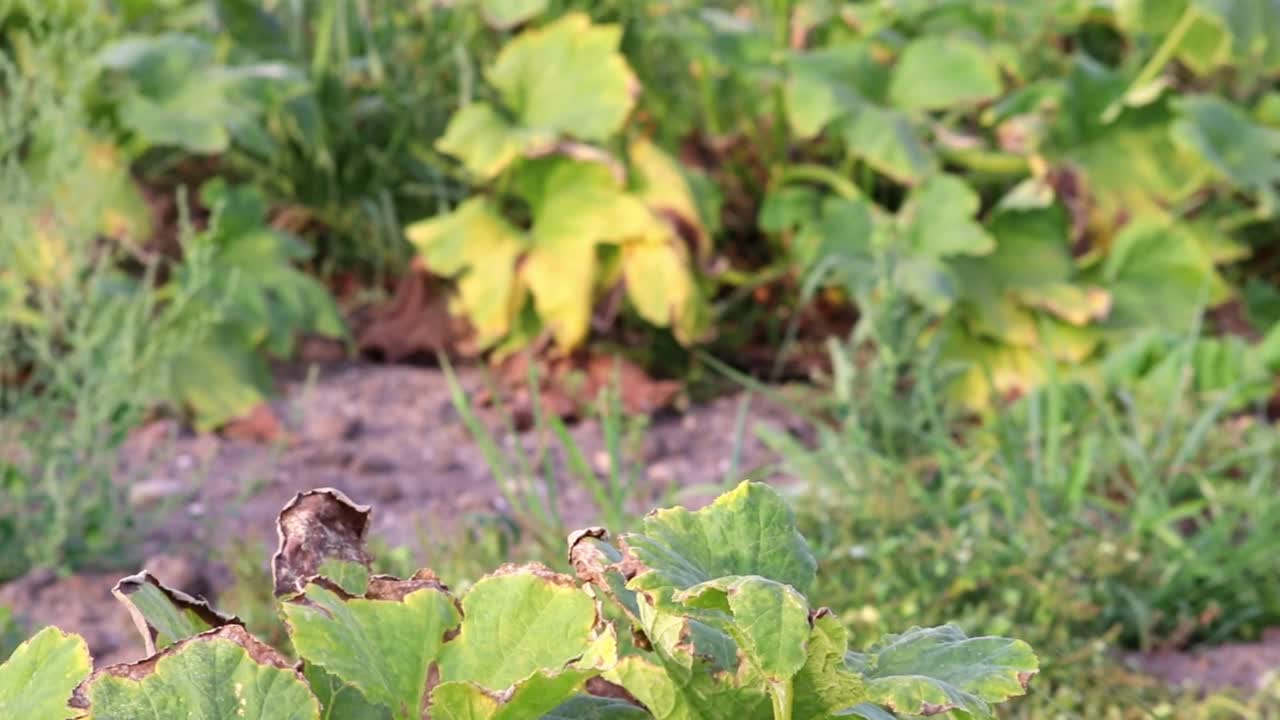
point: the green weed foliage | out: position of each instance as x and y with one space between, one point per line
697 615
1089 521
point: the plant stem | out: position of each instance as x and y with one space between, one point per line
782 696
819 174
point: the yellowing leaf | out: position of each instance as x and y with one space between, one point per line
663 188
485 142
1076 305
658 281
477 245
576 206
567 78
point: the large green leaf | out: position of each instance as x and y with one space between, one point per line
747 531
671 695
940 220
888 142
1245 154
926 671
769 620
340 701
224 674
1158 275
941 71
503 637
382 644
38 678
840 87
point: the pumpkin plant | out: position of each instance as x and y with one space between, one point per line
566 207
1044 206
701 614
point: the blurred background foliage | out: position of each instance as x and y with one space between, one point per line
1035 244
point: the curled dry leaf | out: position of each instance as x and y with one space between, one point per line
318 528
164 615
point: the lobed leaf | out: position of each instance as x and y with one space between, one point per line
223 674
926 671
769 620
517 621
39 677
747 531
567 78
382 644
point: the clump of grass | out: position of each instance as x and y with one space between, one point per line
84 346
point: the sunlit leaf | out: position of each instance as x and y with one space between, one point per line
223 674
36 681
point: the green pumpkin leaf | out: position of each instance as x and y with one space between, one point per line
382 644
942 71
747 531
486 142
590 707
825 686
1245 154
224 674
842 88
672 695
887 141
38 678
497 645
175 93
567 78
926 671
506 14
769 620
163 615
1158 276
338 700
940 221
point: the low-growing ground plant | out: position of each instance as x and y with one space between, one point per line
701 614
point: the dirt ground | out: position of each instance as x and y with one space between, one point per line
389 436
